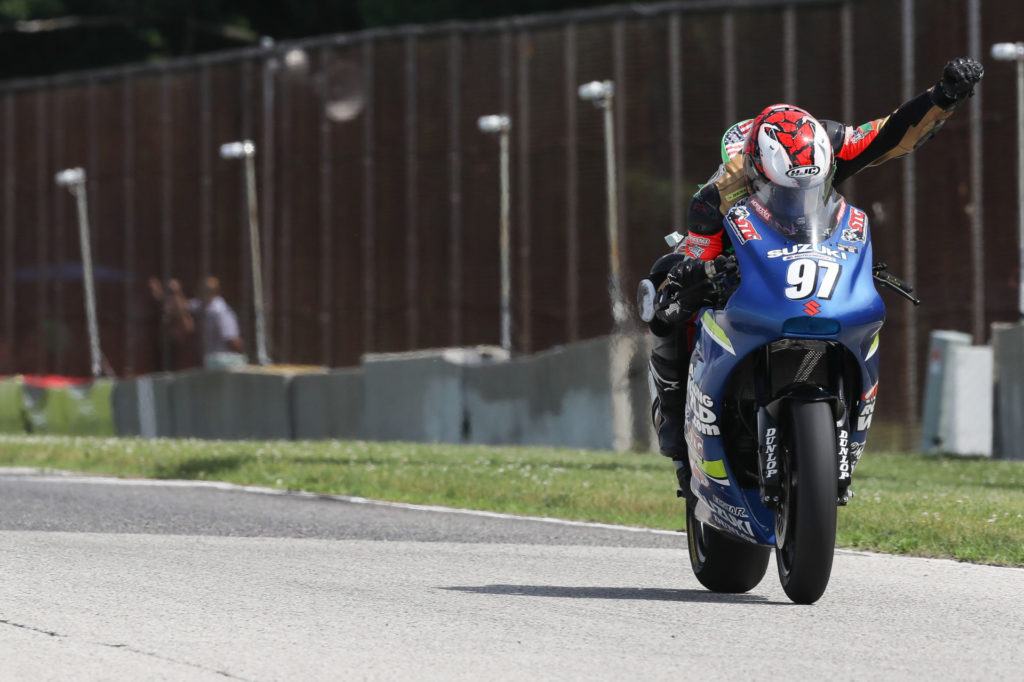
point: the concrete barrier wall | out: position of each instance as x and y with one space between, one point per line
592 394
416 396
327 405
142 406
231 405
562 397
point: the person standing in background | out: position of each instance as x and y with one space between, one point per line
176 335
222 343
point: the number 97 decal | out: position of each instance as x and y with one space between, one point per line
805 276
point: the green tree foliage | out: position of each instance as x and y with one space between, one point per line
39 37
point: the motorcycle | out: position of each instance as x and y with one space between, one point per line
781 389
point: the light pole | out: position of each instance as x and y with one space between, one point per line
74 180
1015 52
500 124
602 95
246 150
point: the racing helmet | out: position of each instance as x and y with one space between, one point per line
788 147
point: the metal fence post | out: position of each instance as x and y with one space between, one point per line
411 236
602 95
42 225
572 265
455 185
326 304
131 335
500 125
369 212
675 86
910 227
523 193
10 175
729 52
977 208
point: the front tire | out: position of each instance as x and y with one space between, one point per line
720 563
805 534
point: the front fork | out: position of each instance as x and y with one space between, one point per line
768 437
768 458
769 452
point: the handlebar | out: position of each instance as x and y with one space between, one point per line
881 274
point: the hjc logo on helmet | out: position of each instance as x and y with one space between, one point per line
802 171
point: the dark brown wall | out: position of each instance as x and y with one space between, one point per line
380 233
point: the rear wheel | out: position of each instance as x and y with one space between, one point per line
805 527
720 563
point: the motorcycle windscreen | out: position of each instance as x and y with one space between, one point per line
804 215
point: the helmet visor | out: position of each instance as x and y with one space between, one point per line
805 215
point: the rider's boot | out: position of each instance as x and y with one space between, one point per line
669 408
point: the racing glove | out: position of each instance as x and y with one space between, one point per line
958 81
683 289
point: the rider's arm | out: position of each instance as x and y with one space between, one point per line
704 225
907 128
706 238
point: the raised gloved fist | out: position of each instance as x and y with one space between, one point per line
959 78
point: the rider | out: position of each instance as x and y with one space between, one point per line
754 153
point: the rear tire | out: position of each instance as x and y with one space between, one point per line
720 563
806 519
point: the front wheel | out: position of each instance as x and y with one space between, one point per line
720 563
805 528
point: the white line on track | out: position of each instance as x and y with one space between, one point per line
51 475
31 474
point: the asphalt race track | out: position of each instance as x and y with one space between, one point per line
105 580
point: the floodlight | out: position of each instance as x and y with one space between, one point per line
1008 51
237 150
70 176
296 59
597 92
495 123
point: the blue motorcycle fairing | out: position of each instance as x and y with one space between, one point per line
781 281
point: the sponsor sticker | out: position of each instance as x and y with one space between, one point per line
760 210
738 194
858 221
771 457
702 408
738 219
844 455
818 250
729 521
867 409
856 450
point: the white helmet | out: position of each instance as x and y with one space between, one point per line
788 147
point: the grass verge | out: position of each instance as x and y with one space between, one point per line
971 510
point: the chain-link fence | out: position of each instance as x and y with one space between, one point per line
378 195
